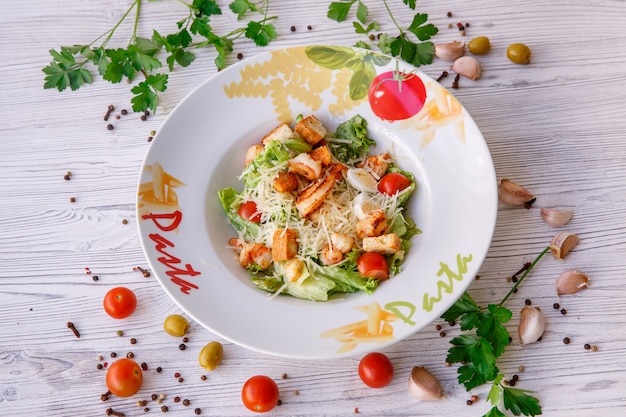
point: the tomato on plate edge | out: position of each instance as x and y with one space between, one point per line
395 95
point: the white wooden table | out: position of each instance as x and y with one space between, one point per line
556 126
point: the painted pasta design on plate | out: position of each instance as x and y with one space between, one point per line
349 76
158 195
377 327
290 74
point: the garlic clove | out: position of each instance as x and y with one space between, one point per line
562 243
424 386
571 281
531 325
450 51
555 217
467 66
514 194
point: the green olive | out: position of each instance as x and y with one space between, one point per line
518 53
176 325
211 355
480 45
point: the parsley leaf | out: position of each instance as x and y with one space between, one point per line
338 10
423 32
490 326
139 56
494 412
206 7
519 402
146 92
478 352
261 33
465 304
361 12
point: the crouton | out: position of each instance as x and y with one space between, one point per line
322 155
293 269
285 182
284 244
311 129
387 244
281 133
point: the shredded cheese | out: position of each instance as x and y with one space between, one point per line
336 214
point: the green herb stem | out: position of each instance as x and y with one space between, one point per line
111 31
136 24
395 22
519 281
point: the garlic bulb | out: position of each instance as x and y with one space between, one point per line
562 243
467 66
514 194
450 51
570 282
555 217
424 385
531 325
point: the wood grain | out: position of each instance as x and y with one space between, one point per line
557 126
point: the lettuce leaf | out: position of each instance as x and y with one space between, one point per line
350 141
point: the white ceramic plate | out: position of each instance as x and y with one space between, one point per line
200 149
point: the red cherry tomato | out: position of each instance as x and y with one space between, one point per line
124 377
396 96
376 370
260 393
392 183
120 302
249 211
373 265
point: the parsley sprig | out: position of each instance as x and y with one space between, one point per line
478 352
401 45
70 65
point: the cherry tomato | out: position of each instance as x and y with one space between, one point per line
248 211
373 265
124 377
260 394
395 95
376 370
392 183
120 302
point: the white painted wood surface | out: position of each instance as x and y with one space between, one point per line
557 126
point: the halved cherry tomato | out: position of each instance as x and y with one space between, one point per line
376 370
395 95
249 211
373 265
392 183
124 377
260 393
120 302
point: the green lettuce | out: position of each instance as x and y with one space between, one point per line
350 141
